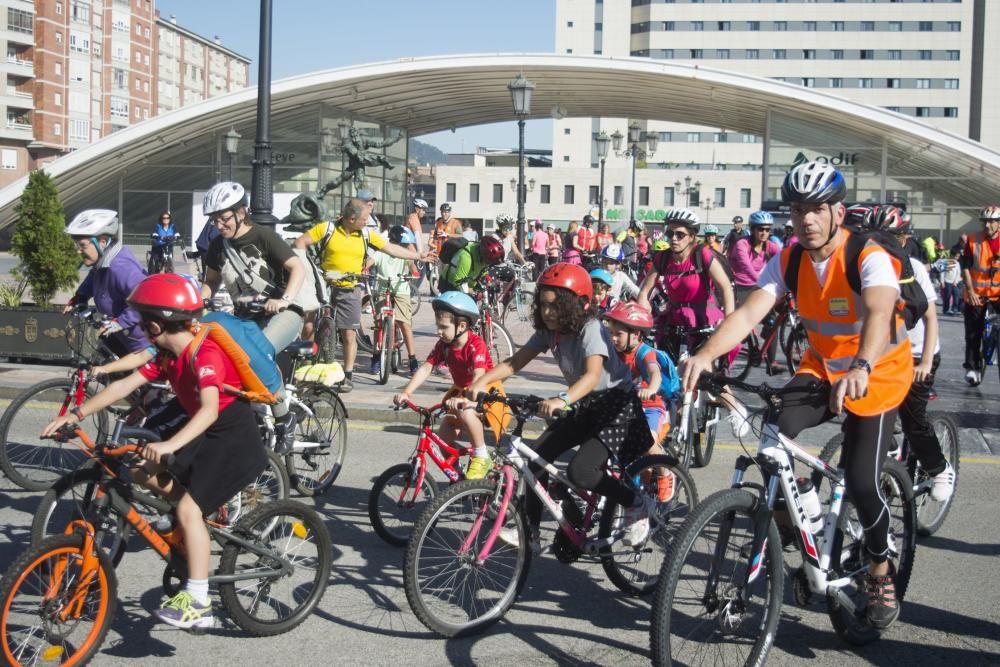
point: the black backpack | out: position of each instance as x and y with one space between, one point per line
912 302
450 248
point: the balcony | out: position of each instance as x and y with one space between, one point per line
20 67
13 99
19 122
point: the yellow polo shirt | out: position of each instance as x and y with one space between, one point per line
344 253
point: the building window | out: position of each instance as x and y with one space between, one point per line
838 54
720 197
951 84
694 137
752 54
79 130
892 83
668 26
545 195
838 26
58 37
566 130
779 54
867 54
474 192
697 26
744 197
923 112
565 158
594 195
119 78
951 112
923 83
810 26
119 107
498 193
952 55
59 8
19 21
809 54
57 129
722 54
449 191
724 26
668 196
643 195
809 82
836 83
569 24
925 54
753 26
868 26
780 26
58 69
954 26
696 54
864 83
619 196
568 194
895 26
926 26
9 158
80 12
57 99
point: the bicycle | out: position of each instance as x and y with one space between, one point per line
461 578
494 334
930 513
991 334
387 338
160 258
728 596
514 299
327 336
401 492
60 596
781 327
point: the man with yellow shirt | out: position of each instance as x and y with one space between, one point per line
346 244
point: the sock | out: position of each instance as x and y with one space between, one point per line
349 375
480 452
198 588
412 358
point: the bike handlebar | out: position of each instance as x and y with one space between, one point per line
426 412
715 382
521 404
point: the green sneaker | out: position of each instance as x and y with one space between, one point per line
182 611
478 467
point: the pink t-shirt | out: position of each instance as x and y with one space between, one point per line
747 263
692 302
539 242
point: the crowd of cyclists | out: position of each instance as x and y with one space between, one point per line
604 303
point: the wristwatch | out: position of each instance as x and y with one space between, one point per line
564 397
862 364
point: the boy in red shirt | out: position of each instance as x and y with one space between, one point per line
215 454
468 359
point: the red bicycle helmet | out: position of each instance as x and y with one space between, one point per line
568 276
630 315
491 250
167 296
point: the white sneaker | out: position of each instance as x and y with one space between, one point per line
739 420
943 484
510 537
973 377
637 522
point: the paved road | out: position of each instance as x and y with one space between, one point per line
567 614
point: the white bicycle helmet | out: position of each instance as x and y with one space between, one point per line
94 222
683 216
990 213
420 203
223 197
814 182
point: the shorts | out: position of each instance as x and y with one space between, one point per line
658 420
347 301
402 307
225 458
497 416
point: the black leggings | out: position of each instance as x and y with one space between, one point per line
866 440
975 320
919 433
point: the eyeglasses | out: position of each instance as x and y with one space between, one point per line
83 244
677 235
990 222
224 218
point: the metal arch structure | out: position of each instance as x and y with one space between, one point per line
396 93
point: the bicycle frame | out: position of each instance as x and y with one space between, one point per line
430 444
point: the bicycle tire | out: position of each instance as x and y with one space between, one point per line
387 492
716 614
500 343
629 568
326 340
28 461
314 471
69 499
430 532
271 485
59 552
365 333
739 368
415 298
704 443
386 329
690 439
516 318
795 347
897 489
285 526
930 513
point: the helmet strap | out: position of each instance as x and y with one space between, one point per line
97 245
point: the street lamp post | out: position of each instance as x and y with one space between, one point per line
602 140
687 190
262 194
232 138
520 94
637 151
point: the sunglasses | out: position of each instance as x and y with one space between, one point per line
677 235
763 229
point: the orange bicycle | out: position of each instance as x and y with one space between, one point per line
58 598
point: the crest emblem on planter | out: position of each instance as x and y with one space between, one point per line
31 330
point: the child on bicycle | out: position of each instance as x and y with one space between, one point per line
601 282
607 413
218 452
391 275
627 322
468 359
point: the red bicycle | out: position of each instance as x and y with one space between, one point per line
401 492
386 337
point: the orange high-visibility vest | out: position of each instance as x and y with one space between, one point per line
984 265
832 316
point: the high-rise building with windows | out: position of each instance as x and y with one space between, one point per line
78 70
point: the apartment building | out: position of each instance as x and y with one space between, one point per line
78 70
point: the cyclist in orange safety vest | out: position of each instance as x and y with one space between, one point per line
980 268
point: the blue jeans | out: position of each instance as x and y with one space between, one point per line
951 297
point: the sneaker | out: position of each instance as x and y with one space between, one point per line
414 365
183 611
284 433
376 368
510 537
478 467
973 377
346 386
883 608
739 420
665 487
943 484
637 521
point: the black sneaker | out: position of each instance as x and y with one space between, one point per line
345 387
284 433
883 607
414 365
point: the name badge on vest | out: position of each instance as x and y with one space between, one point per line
839 307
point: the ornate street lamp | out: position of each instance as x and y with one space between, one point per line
520 95
603 142
637 151
262 194
232 141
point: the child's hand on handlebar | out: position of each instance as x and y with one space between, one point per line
57 424
458 404
691 370
400 399
155 452
550 406
646 394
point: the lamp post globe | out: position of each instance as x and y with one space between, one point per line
232 142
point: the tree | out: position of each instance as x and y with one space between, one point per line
48 258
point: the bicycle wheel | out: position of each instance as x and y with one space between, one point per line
320 443
386 331
270 486
500 344
704 609
72 498
27 460
739 368
415 298
326 340
931 513
851 625
517 317
46 615
395 503
635 569
448 588
795 346
365 334
708 414
277 601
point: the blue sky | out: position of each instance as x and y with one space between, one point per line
313 35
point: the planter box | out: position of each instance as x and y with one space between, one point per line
34 333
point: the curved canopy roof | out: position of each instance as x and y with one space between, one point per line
425 95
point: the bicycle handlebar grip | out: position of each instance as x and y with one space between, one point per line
168 460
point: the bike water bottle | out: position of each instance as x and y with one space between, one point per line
810 503
164 524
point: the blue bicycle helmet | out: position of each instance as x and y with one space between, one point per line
761 219
457 303
603 276
814 183
614 252
400 235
